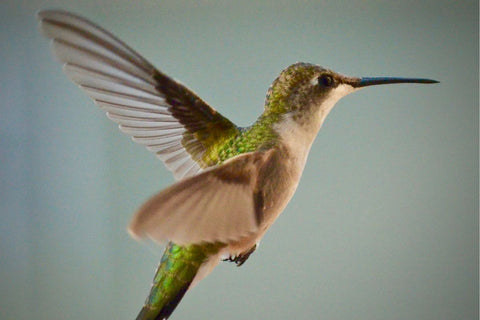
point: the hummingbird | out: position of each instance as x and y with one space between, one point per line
232 182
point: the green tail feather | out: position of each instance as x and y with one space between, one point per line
177 269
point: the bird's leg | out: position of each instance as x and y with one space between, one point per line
242 257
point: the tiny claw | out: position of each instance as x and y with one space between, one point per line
242 257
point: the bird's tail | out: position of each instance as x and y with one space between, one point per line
177 270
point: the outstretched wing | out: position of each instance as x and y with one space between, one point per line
156 111
220 204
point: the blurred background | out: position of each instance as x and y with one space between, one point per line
384 224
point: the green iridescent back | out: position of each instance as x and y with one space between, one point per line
261 135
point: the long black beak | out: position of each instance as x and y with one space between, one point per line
364 82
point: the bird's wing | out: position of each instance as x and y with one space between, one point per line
156 111
219 204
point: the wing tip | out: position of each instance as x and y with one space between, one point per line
134 233
134 229
46 13
40 14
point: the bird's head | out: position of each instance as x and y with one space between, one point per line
306 92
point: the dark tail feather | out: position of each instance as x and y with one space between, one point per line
168 309
151 313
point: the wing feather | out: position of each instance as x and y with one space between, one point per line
215 205
153 109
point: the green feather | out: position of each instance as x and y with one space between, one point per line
177 269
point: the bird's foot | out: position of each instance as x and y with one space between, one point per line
242 257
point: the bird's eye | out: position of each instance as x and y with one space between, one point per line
326 80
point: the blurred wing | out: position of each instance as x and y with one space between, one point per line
156 111
220 204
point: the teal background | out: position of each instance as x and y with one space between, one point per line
384 224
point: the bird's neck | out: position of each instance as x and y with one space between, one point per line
295 137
